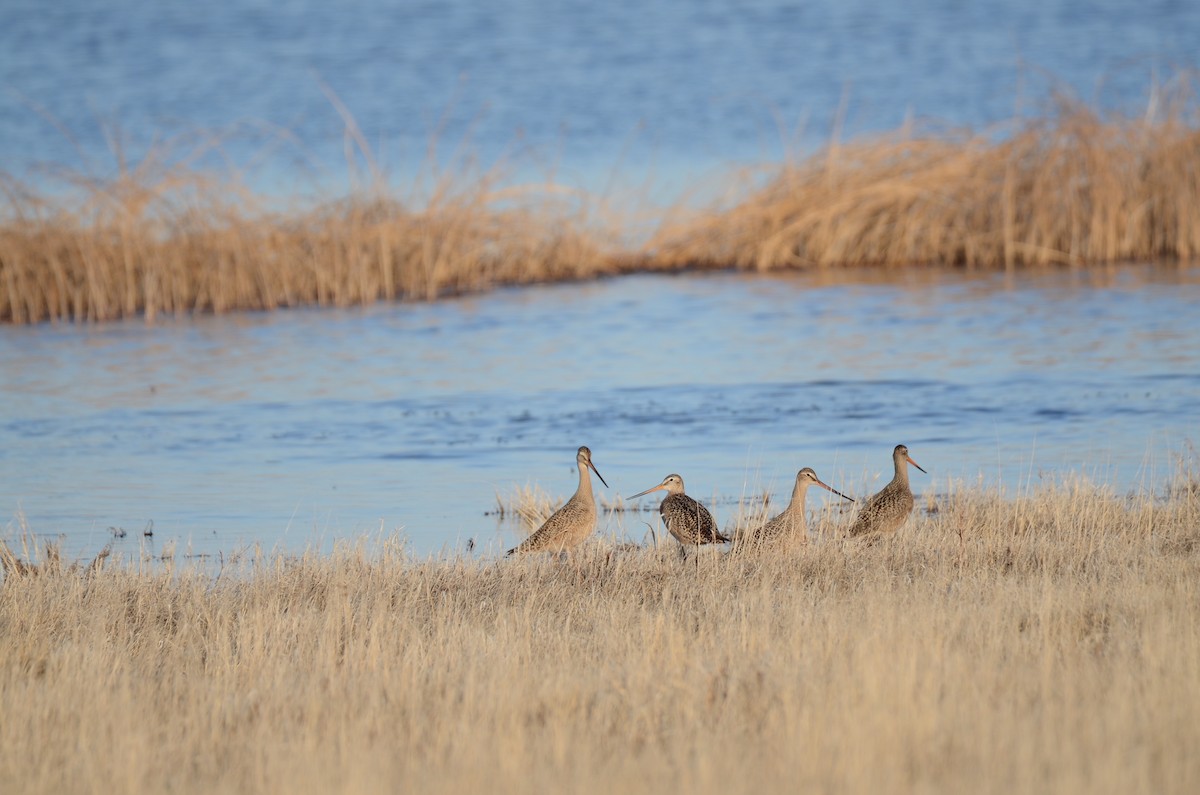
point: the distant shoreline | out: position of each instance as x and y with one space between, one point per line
1075 189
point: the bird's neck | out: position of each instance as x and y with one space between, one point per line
798 493
585 482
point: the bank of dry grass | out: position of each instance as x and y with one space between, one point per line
1073 188
172 241
1045 643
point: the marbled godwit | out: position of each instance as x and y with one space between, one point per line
887 510
789 526
571 524
687 520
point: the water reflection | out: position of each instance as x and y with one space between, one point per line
306 426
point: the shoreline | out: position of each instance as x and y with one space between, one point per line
30 553
993 646
1074 189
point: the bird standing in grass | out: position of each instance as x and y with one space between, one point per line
788 527
687 520
570 525
886 511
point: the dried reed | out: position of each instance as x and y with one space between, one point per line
1048 642
1073 188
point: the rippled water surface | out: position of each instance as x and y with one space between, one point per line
298 428
654 89
303 427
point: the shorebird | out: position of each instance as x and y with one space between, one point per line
789 526
571 524
687 520
887 510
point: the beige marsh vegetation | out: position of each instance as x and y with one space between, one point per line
1047 641
1074 187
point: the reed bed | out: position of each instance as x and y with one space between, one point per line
1044 642
1073 188
168 240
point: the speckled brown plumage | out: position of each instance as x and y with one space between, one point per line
789 527
886 511
687 520
570 525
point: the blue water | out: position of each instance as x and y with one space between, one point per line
298 428
303 427
658 93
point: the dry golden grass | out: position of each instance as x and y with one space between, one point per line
1075 187
167 240
1049 642
530 505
